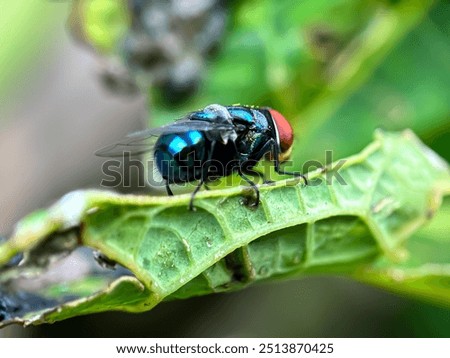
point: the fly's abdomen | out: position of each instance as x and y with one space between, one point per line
180 157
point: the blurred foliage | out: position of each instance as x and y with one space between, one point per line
408 90
18 48
308 58
101 23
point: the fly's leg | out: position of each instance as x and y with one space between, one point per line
260 175
253 185
276 155
272 147
241 170
248 168
202 180
197 188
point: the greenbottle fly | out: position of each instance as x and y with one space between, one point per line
213 142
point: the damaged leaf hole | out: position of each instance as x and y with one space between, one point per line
55 272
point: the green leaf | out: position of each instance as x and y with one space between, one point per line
358 228
425 272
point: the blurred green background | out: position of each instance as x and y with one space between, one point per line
336 69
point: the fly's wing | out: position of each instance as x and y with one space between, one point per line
135 144
143 141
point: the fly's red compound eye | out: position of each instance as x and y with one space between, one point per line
284 130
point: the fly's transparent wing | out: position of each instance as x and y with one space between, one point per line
185 125
143 141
